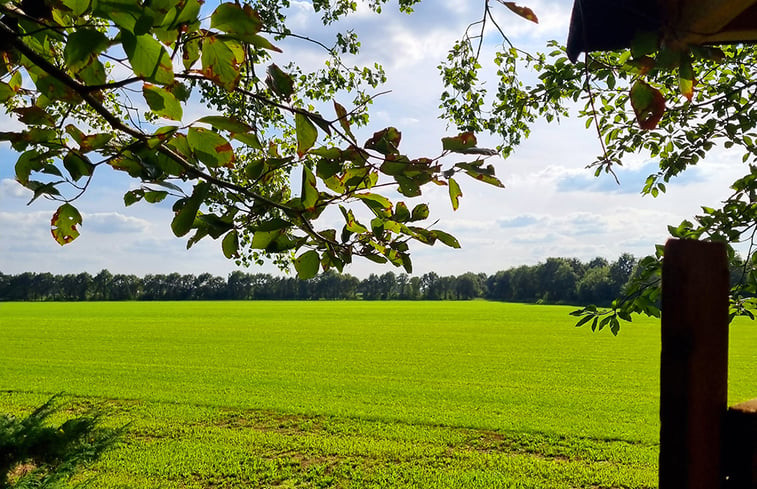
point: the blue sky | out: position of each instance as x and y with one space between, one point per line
551 206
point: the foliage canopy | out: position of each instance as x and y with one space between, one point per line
105 83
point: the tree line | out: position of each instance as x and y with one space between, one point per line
555 281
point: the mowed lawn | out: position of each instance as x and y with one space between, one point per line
352 394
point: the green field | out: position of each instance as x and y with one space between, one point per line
351 394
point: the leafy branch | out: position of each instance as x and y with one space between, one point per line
229 174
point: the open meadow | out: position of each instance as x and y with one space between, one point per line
351 394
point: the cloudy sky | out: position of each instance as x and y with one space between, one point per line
551 206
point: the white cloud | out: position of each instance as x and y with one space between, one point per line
114 222
11 189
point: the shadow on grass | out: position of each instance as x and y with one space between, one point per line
34 453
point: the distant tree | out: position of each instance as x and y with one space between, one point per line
370 287
596 287
5 281
388 288
524 283
125 287
430 286
621 272
498 286
83 286
154 287
239 285
101 285
468 286
557 280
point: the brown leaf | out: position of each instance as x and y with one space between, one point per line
524 12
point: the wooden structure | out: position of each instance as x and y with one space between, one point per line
694 364
703 445
601 25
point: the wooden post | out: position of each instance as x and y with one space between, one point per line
741 446
694 364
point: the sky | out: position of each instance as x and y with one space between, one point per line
551 206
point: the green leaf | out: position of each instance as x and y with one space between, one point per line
224 123
273 225
16 81
460 142
6 92
77 165
133 196
35 116
648 104
155 196
583 320
186 209
220 61
124 13
94 142
83 46
377 203
93 73
485 177
281 83
401 212
230 244
446 238
352 225
183 13
420 212
614 326
263 43
190 52
686 79
240 22
28 162
148 59
454 193
309 194
306 134
210 147
238 130
342 116
307 264
64 222
214 225
54 89
386 141
40 189
261 240
162 102
407 186
77 7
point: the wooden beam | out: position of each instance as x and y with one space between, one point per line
694 364
701 18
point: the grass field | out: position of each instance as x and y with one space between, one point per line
351 394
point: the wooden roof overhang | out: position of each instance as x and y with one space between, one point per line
605 25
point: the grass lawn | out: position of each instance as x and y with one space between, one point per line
351 394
